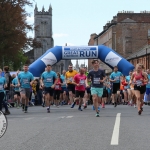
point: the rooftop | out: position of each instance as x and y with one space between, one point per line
143 51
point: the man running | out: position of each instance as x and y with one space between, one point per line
25 80
97 77
115 79
70 85
79 81
48 82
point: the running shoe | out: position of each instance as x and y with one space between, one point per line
93 108
85 106
115 104
80 109
97 114
73 104
134 106
7 112
103 105
48 110
98 108
26 109
15 104
148 103
139 112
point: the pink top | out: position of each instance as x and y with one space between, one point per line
137 79
80 79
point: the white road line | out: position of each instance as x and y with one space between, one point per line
69 116
115 135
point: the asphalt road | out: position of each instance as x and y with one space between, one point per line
69 129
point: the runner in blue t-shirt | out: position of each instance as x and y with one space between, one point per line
25 80
3 85
48 82
148 87
115 79
17 90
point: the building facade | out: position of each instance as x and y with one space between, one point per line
43 30
126 33
141 56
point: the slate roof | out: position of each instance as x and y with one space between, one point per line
140 53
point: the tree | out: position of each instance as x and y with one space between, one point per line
13 30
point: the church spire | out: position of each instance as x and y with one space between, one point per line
50 9
36 9
43 9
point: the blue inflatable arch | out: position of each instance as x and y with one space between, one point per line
57 53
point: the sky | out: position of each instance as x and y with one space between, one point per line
75 20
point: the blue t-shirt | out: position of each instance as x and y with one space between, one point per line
2 83
116 76
128 80
48 78
148 84
63 80
15 82
25 79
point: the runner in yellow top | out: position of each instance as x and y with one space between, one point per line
69 79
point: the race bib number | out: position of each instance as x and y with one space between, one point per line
82 82
57 87
64 82
125 87
96 80
138 82
117 78
25 81
1 87
49 80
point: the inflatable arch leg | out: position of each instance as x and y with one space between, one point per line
105 54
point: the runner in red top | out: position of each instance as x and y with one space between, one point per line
57 90
79 81
139 78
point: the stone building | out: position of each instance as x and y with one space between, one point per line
126 33
43 34
141 56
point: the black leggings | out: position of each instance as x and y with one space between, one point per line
2 101
57 94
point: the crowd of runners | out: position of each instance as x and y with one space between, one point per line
76 88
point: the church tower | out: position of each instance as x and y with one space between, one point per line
43 30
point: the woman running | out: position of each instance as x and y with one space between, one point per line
139 78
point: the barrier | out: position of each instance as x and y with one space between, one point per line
57 53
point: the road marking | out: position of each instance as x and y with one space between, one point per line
69 116
115 135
